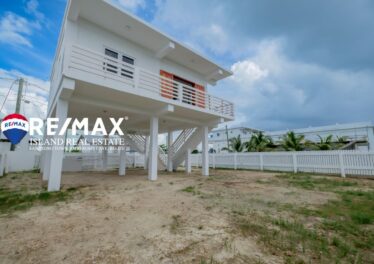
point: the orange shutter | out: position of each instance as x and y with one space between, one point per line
200 95
167 88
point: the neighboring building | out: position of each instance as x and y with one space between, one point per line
218 137
361 135
109 63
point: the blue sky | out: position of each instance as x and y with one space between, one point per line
295 63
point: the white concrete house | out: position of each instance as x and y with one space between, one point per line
109 63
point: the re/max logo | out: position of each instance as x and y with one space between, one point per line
53 126
14 124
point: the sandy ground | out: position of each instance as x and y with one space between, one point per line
131 220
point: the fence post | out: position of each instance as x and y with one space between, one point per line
341 163
294 160
2 164
214 161
261 162
134 165
235 161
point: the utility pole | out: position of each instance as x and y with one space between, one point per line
21 81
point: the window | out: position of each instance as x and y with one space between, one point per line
128 60
110 67
111 53
115 66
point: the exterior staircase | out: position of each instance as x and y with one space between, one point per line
188 139
137 143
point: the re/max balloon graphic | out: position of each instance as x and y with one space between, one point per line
15 127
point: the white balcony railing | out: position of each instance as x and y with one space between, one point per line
139 78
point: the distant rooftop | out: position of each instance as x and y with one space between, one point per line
345 126
324 128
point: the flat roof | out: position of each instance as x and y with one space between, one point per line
241 128
346 126
110 17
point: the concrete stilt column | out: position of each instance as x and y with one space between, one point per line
105 154
42 161
146 152
170 151
45 161
46 164
57 155
153 150
188 161
122 163
205 152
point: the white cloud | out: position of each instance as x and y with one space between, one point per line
212 37
32 7
15 30
247 72
130 5
35 94
270 91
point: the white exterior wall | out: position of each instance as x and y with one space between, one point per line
22 160
95 38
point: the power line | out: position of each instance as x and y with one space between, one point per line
8 79
38 86
10 88
35 98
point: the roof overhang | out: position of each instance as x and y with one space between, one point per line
120 22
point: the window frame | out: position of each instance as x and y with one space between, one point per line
119 69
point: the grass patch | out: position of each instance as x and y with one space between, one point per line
339 231
23 190
12 201
191 189
310 182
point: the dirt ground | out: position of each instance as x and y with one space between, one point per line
177 219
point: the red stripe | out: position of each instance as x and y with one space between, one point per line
18 116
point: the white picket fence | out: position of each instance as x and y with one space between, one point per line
94 161
343 162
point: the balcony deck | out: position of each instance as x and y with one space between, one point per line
136 80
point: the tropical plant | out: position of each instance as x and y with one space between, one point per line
235 145
325 143
164 148
341 140
75 150
258 142
293 142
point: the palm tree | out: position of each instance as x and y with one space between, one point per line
258 142
235 145
342 140
293 142
325 143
